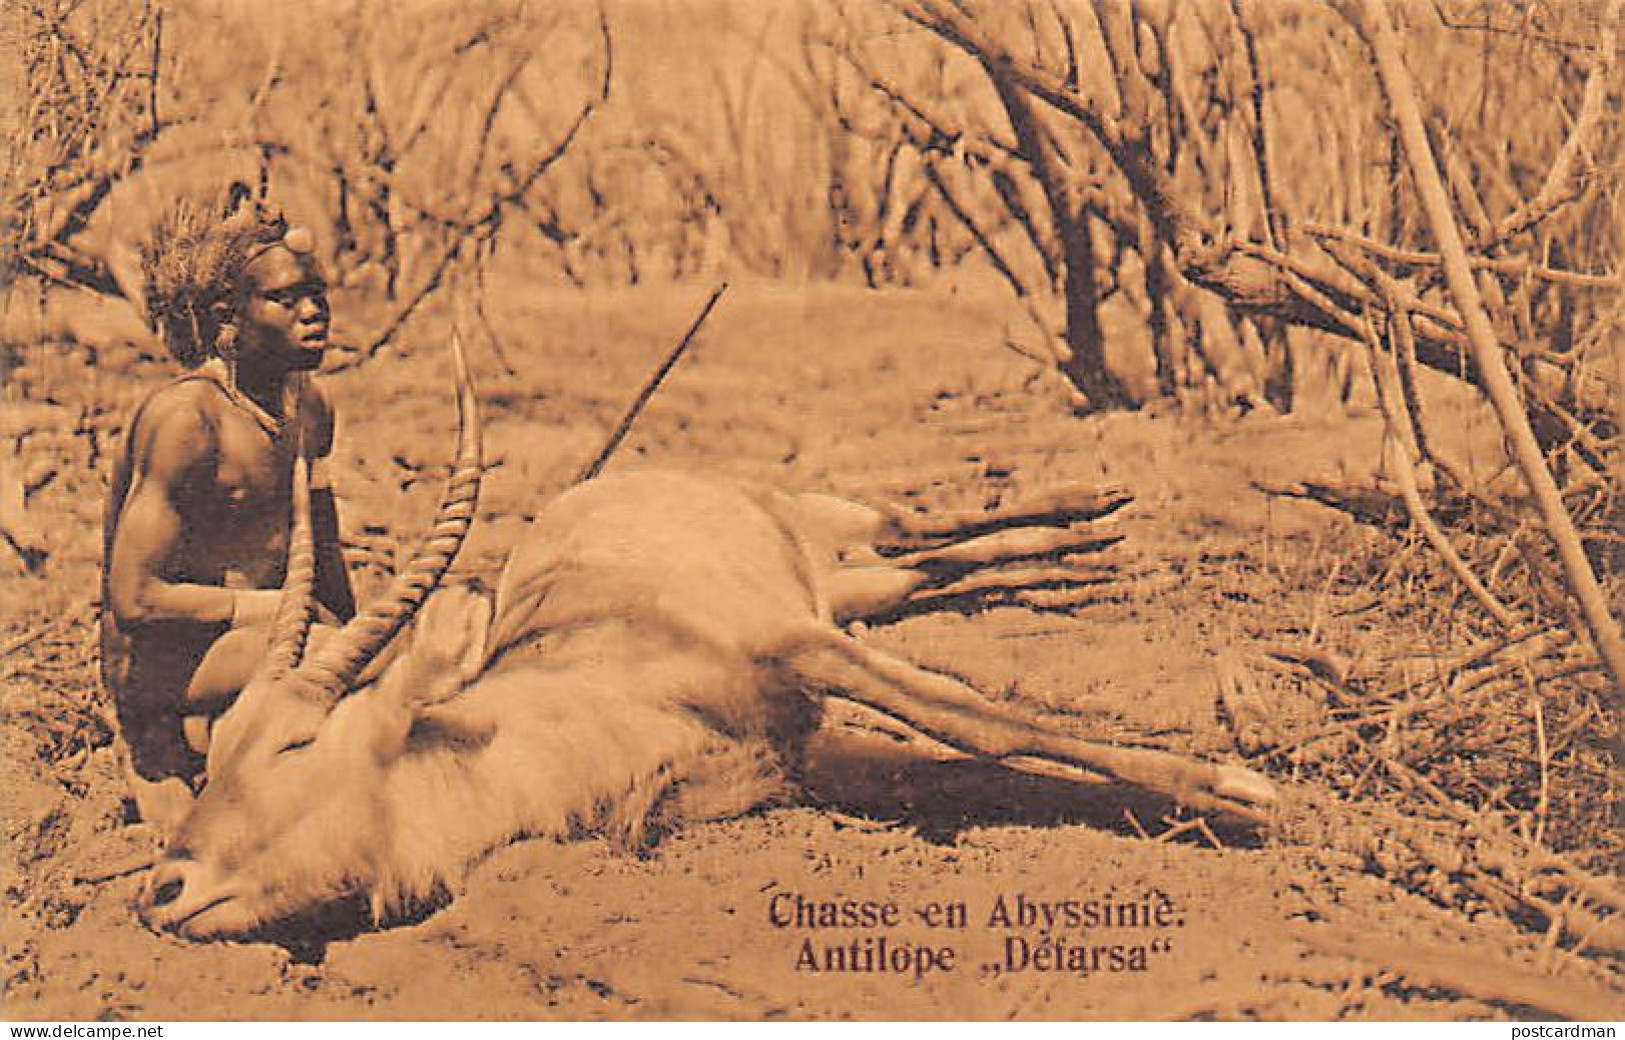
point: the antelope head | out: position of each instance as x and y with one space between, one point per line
294 813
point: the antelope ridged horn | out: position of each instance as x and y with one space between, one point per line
333 669
293 612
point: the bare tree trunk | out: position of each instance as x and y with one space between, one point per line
1167 334
1085 365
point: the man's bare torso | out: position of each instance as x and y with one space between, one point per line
233 509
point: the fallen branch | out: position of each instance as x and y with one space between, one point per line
29 638
1479 977
34 635
1513 266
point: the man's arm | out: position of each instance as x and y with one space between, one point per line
333 589
175 450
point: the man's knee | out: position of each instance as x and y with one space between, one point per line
232 661
226 669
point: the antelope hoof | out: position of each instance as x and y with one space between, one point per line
1246 787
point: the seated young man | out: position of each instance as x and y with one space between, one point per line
198 520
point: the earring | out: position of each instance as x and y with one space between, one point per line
225 343
225 348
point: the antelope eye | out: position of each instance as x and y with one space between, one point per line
296 745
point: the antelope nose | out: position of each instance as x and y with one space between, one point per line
166 885
163 893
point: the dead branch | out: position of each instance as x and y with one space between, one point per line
1282 287
29 638
1555 190
1511 266
87 126
1489 28
1401 94
1403 454
482 228
1475 976
968 222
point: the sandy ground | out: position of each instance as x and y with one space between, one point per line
902 397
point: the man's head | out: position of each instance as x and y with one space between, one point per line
225 277
282 312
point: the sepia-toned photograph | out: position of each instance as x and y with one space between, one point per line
812 510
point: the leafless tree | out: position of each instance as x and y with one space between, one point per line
86 105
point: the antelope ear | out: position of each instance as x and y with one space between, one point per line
455 624
164 804
448 643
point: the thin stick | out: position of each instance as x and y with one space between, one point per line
597 465
29 638
1207 832
1176 828
34 635
133 865
1403 453
1543 757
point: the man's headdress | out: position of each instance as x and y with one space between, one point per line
194 264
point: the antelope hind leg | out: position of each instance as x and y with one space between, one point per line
956 714
842 533
943 556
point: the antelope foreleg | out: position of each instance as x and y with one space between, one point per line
1066 504
883 593
1017 579
954 713
1018 543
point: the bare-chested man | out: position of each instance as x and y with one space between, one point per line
198 521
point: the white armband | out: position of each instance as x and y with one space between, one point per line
254 606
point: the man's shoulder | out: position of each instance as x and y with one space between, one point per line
187 399
316 408
318 401
181 418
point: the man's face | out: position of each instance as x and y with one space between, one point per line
285 313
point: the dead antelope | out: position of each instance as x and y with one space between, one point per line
659 651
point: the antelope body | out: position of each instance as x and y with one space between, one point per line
659 650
